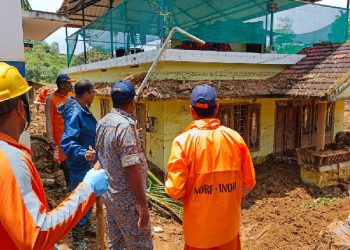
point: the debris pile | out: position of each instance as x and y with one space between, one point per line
51 176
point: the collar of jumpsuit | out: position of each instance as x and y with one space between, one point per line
13 142
209 123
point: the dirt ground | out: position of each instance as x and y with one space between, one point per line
281 212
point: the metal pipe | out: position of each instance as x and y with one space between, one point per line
347 23
67 45
111 27
271 31
160 53
85 54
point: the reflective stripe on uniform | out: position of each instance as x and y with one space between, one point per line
44 221
48 117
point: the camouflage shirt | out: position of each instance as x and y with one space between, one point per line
119 146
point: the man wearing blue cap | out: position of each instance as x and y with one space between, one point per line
120 154
55 122
210 170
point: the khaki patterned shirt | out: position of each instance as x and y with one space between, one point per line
119 146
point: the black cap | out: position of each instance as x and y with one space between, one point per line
62 78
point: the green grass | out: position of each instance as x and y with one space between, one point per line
323 201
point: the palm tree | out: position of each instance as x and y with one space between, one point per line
26 5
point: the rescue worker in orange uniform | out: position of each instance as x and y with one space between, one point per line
41 97
210 170
25 220
55 121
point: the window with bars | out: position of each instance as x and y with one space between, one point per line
306 118
105 108
330 117
245 119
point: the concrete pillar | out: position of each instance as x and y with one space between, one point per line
321 125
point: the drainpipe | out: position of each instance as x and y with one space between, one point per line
160 53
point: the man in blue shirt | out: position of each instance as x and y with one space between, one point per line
78 142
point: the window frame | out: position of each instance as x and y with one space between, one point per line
229 108
105 107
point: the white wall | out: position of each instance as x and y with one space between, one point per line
11 42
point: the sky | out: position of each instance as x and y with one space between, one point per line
59 35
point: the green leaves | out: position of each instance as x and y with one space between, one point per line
159 199
323 201
44 62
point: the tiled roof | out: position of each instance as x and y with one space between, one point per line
324 69
178 89
322 73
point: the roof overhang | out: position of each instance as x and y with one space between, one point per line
192 56
38 25
93 9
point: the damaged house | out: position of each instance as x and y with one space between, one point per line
281 87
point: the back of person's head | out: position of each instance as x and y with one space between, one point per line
83 86
63 78
122 93
203 101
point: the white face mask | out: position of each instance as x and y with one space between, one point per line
25 118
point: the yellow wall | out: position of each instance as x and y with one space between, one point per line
174 116
96 106
155 140
338 117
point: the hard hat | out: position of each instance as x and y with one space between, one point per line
12 84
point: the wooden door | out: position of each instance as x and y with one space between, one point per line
286 120
141 123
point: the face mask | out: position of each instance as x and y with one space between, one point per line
28 118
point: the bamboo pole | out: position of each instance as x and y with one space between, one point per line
101 235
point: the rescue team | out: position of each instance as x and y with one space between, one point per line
209 170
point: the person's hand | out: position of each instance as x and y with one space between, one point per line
143 217
98 180
90 155
52 144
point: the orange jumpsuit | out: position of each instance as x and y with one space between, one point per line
208 168
54 119
41 97
25 220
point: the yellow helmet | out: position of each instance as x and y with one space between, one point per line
12 84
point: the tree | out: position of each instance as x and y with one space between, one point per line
44 62
93 55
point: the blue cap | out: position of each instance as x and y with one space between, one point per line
122 91
62 78
203 96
